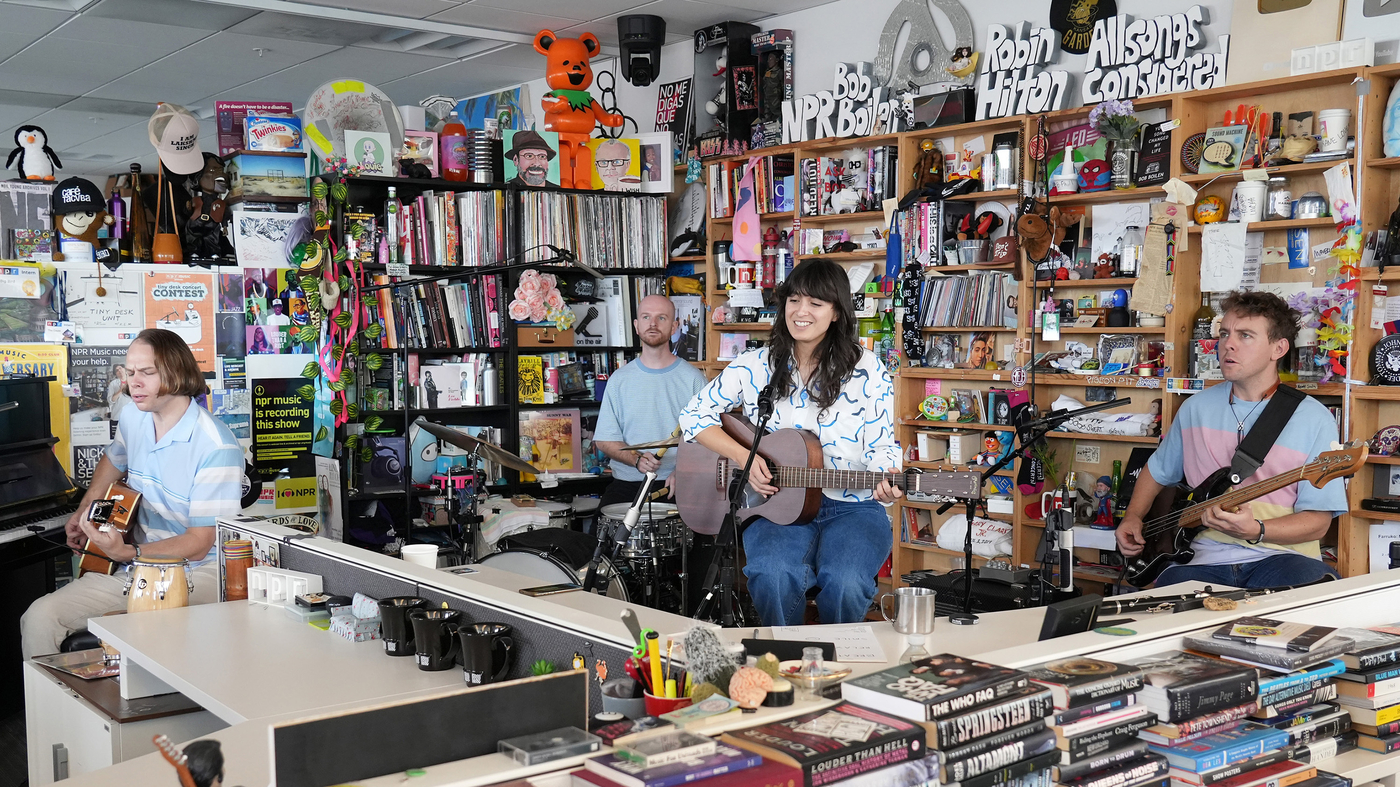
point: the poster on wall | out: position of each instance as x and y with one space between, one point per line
231 405
184 304
507 107
100 378
282 429
22 319
116 316
275 312
260 239
45 360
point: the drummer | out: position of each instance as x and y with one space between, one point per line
642 403
187 466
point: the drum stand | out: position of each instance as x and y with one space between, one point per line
463 511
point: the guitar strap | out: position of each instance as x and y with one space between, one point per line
1252 450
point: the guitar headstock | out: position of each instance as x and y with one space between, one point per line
176 758
1337 464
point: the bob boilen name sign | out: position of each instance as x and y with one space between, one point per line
1131 58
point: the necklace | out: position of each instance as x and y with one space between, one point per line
1239 422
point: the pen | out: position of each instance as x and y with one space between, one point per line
658 683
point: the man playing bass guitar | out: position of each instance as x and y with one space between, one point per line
1273 540
825 382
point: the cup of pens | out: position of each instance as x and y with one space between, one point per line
659 705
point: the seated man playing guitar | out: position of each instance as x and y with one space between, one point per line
188 468
823 381
1273 540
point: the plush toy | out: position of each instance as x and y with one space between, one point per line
1094 176
79 211
718 107
204 235
36 160
569 109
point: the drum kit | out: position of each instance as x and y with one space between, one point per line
648 567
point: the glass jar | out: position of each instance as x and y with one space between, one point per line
1279 203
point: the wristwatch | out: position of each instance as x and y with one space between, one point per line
1261 533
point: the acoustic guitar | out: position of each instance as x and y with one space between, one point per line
1175 517
795 459
115 511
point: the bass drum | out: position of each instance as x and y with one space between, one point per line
550 570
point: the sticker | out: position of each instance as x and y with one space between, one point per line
1018 376
1115 631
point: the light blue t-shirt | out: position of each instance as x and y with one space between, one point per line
190 477
642 405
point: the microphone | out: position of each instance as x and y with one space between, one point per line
569 257
1059 417
765 401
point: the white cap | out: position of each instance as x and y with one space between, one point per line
175 134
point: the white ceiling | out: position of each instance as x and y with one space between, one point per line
90 72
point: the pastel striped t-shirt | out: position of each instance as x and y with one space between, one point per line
1203 438
193 475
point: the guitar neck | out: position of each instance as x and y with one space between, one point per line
1191 517
825 478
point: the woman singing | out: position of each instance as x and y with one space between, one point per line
824 382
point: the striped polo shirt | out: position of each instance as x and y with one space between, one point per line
192 475
1202 439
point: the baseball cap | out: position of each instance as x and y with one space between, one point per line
76 195
175 134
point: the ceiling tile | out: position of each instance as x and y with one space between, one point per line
64 66
295 84
69 129
572 9
37 102
688 14
503 19
23 25
182 13
218 63
157 37
12 115
289 27
515 56
774 7
415 9
111 106
467 78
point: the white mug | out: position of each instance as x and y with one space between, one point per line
740 275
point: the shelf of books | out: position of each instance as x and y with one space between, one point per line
451 350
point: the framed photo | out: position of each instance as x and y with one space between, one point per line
421 147
616 164
657 153
979 350
371 151
530 158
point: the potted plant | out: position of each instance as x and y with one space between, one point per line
1116 121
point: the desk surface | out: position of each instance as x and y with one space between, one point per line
246 661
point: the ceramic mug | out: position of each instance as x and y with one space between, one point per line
435 637
484 652
740 276
394 625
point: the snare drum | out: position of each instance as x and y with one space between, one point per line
560 514
659 524
550 570
158 582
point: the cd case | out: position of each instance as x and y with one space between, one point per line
549 746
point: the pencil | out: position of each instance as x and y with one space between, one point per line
670 644
658 683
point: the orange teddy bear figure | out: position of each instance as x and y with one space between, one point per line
569 109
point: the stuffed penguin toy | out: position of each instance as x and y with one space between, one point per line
37 160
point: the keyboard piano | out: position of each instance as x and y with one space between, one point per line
22 527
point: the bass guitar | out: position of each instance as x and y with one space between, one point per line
1175 517
176 758
795 459
116 511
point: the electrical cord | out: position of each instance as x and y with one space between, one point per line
608 101
38 531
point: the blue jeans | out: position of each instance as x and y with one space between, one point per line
1282 569
840 551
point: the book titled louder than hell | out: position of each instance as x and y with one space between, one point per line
836 743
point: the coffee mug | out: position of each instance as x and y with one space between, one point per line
484 652
914 610
740 276
435 637
394 625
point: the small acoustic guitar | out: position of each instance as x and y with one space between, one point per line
1175 516
794 457
116 511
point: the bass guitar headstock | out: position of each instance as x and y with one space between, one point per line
176 758
1336 464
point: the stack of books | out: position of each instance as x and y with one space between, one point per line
1297 665
1203 707
1369 688
1096 721
986 725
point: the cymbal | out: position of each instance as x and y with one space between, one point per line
670 442
467 442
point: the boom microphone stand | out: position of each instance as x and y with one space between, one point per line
1029 433
724 565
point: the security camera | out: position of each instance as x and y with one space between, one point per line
640 37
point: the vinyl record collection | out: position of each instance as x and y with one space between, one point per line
605 232
976 300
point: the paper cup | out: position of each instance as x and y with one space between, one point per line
420 554
1334 126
